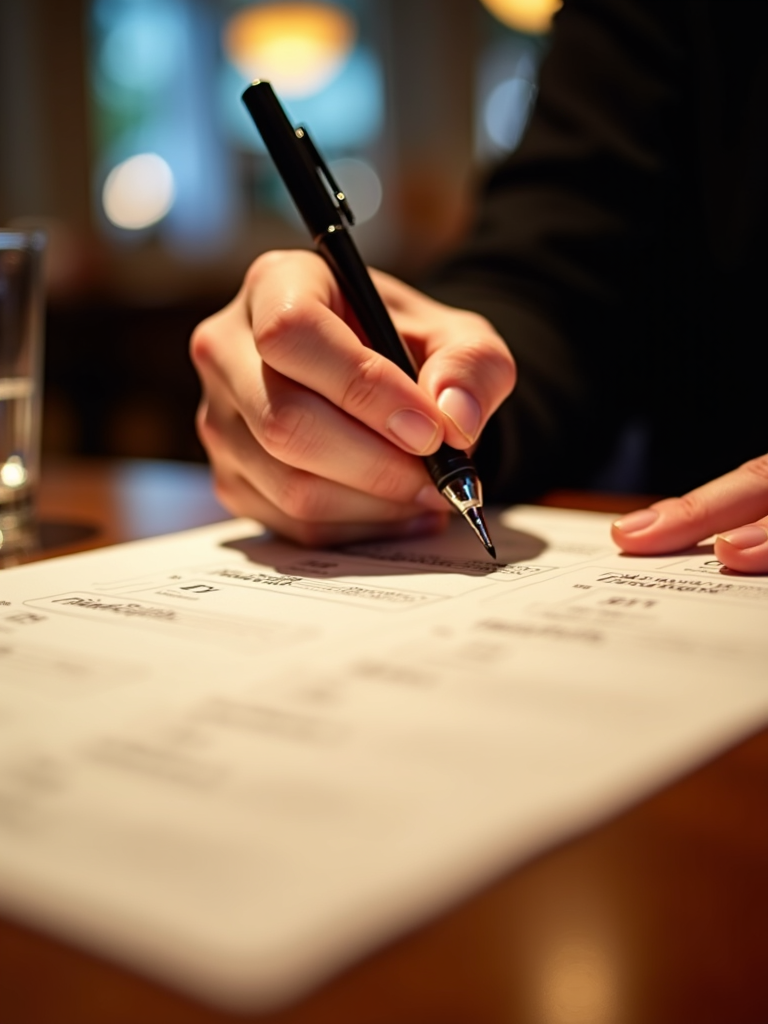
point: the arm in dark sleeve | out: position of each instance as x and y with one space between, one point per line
566 237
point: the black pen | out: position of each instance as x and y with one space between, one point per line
311 185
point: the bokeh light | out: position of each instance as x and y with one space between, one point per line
140 48
298 47
138 192
534 16
13 473
579 984
507 110
348 113
361 184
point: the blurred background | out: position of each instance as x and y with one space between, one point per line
123 134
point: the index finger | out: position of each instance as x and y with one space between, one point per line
726 503
301 333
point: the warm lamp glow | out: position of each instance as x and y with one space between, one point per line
13 473
298 47
533 16
579 985
138 192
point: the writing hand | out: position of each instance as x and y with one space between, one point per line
735 507
315 434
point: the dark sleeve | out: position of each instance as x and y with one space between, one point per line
567 236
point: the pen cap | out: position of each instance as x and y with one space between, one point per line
292 160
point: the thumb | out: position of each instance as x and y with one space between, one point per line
469 373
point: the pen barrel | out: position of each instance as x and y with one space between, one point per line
292 160
448 464
340 252
298 166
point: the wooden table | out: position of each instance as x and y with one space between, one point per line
658 917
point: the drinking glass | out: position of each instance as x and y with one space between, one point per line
22 307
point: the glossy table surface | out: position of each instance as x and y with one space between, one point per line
659 916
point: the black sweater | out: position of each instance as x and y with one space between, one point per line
621 250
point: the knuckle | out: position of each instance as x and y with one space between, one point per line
202 343
363 385
692 507
497 358
208 423
287 431
224 492
474 324
207 427
386 480
498 367
505 367
262 266
221 489
203 421
282 329
299 497
483 352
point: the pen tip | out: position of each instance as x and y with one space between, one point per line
476 520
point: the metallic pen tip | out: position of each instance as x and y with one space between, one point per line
474 516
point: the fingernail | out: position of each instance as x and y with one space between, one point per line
430 497
637 521
462 410
746 537
413 428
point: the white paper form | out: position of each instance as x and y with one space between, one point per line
238 765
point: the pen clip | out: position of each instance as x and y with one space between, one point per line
303 136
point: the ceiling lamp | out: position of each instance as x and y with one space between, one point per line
298 47
533 16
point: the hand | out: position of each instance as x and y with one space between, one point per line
316 435
734 506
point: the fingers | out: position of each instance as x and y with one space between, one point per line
466 368
297 504
745 549
309 491
734 505
317 435
302 338
465 365
269 425
242 499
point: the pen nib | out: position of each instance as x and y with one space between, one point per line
474 516
465 494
